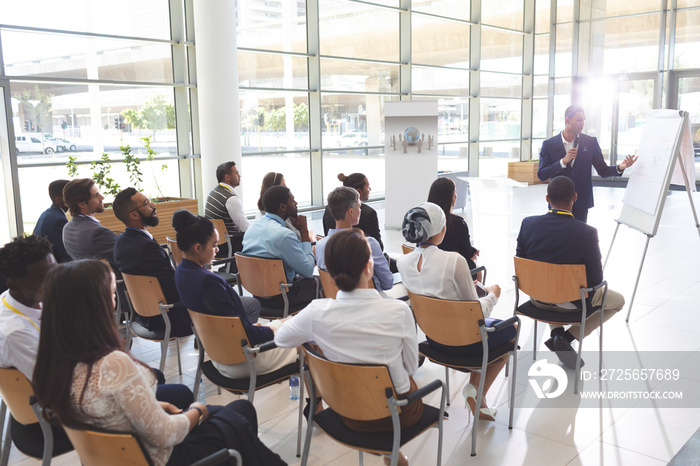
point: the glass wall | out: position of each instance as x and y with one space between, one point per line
312 94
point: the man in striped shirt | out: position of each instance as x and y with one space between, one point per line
224 204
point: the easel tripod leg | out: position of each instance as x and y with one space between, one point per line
639 274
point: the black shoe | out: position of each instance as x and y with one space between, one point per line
421 360
550 344
565 352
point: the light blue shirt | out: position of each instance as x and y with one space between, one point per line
383 278
268 237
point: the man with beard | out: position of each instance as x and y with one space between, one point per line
83 236
137 253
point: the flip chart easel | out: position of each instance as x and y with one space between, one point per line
665 139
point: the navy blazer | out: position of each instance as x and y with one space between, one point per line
558 238
50 224
588 155
205 292
136 254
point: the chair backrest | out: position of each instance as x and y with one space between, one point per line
330 289
221 337
145 293
16 390
407 249
175 251
452 323
96 448
550 283
356 391
221 228
261 276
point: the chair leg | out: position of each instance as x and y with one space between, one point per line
179 363
534 343
447 384
163 354
301 400
3 413
479 398
361 458
577 372
511 401
6 445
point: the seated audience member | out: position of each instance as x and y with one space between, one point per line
369 223
205 292
557 237
223 203
274 179
269 238
359 326
137 253
25 262
53 219
442 274
344 204
443 192
86 378
83 236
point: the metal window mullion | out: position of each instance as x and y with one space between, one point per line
313 44
180 74
552 57
193 169
405 51
474 86
527 80
575 40
673 13
10 171
92 35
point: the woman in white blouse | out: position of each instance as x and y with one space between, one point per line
86 378
442 274
358 326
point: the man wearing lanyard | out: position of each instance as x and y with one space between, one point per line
24 262
223 203
83 236
572 153
269 237
557 237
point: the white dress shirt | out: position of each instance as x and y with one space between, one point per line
443 275
567 147
358 327
19 336
234 207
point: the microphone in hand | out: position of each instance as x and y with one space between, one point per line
576 142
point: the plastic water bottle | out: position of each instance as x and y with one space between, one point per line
294 388
201 394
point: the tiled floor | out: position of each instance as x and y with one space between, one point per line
665 317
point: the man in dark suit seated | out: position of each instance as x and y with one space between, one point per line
53 219
558 238
572 154
137 253
83 236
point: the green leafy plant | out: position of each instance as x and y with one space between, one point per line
150 156
101 175
133 166
72 166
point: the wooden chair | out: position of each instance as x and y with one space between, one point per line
175 252
224 339
364 392
461 323
234 243
266 278
31 433
147 300
406 249
98 447
330 289
556 283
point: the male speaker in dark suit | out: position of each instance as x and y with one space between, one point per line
572 154
137 253
53 219
83 236
558 238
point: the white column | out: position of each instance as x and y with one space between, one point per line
217 88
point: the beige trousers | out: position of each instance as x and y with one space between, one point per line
614 301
